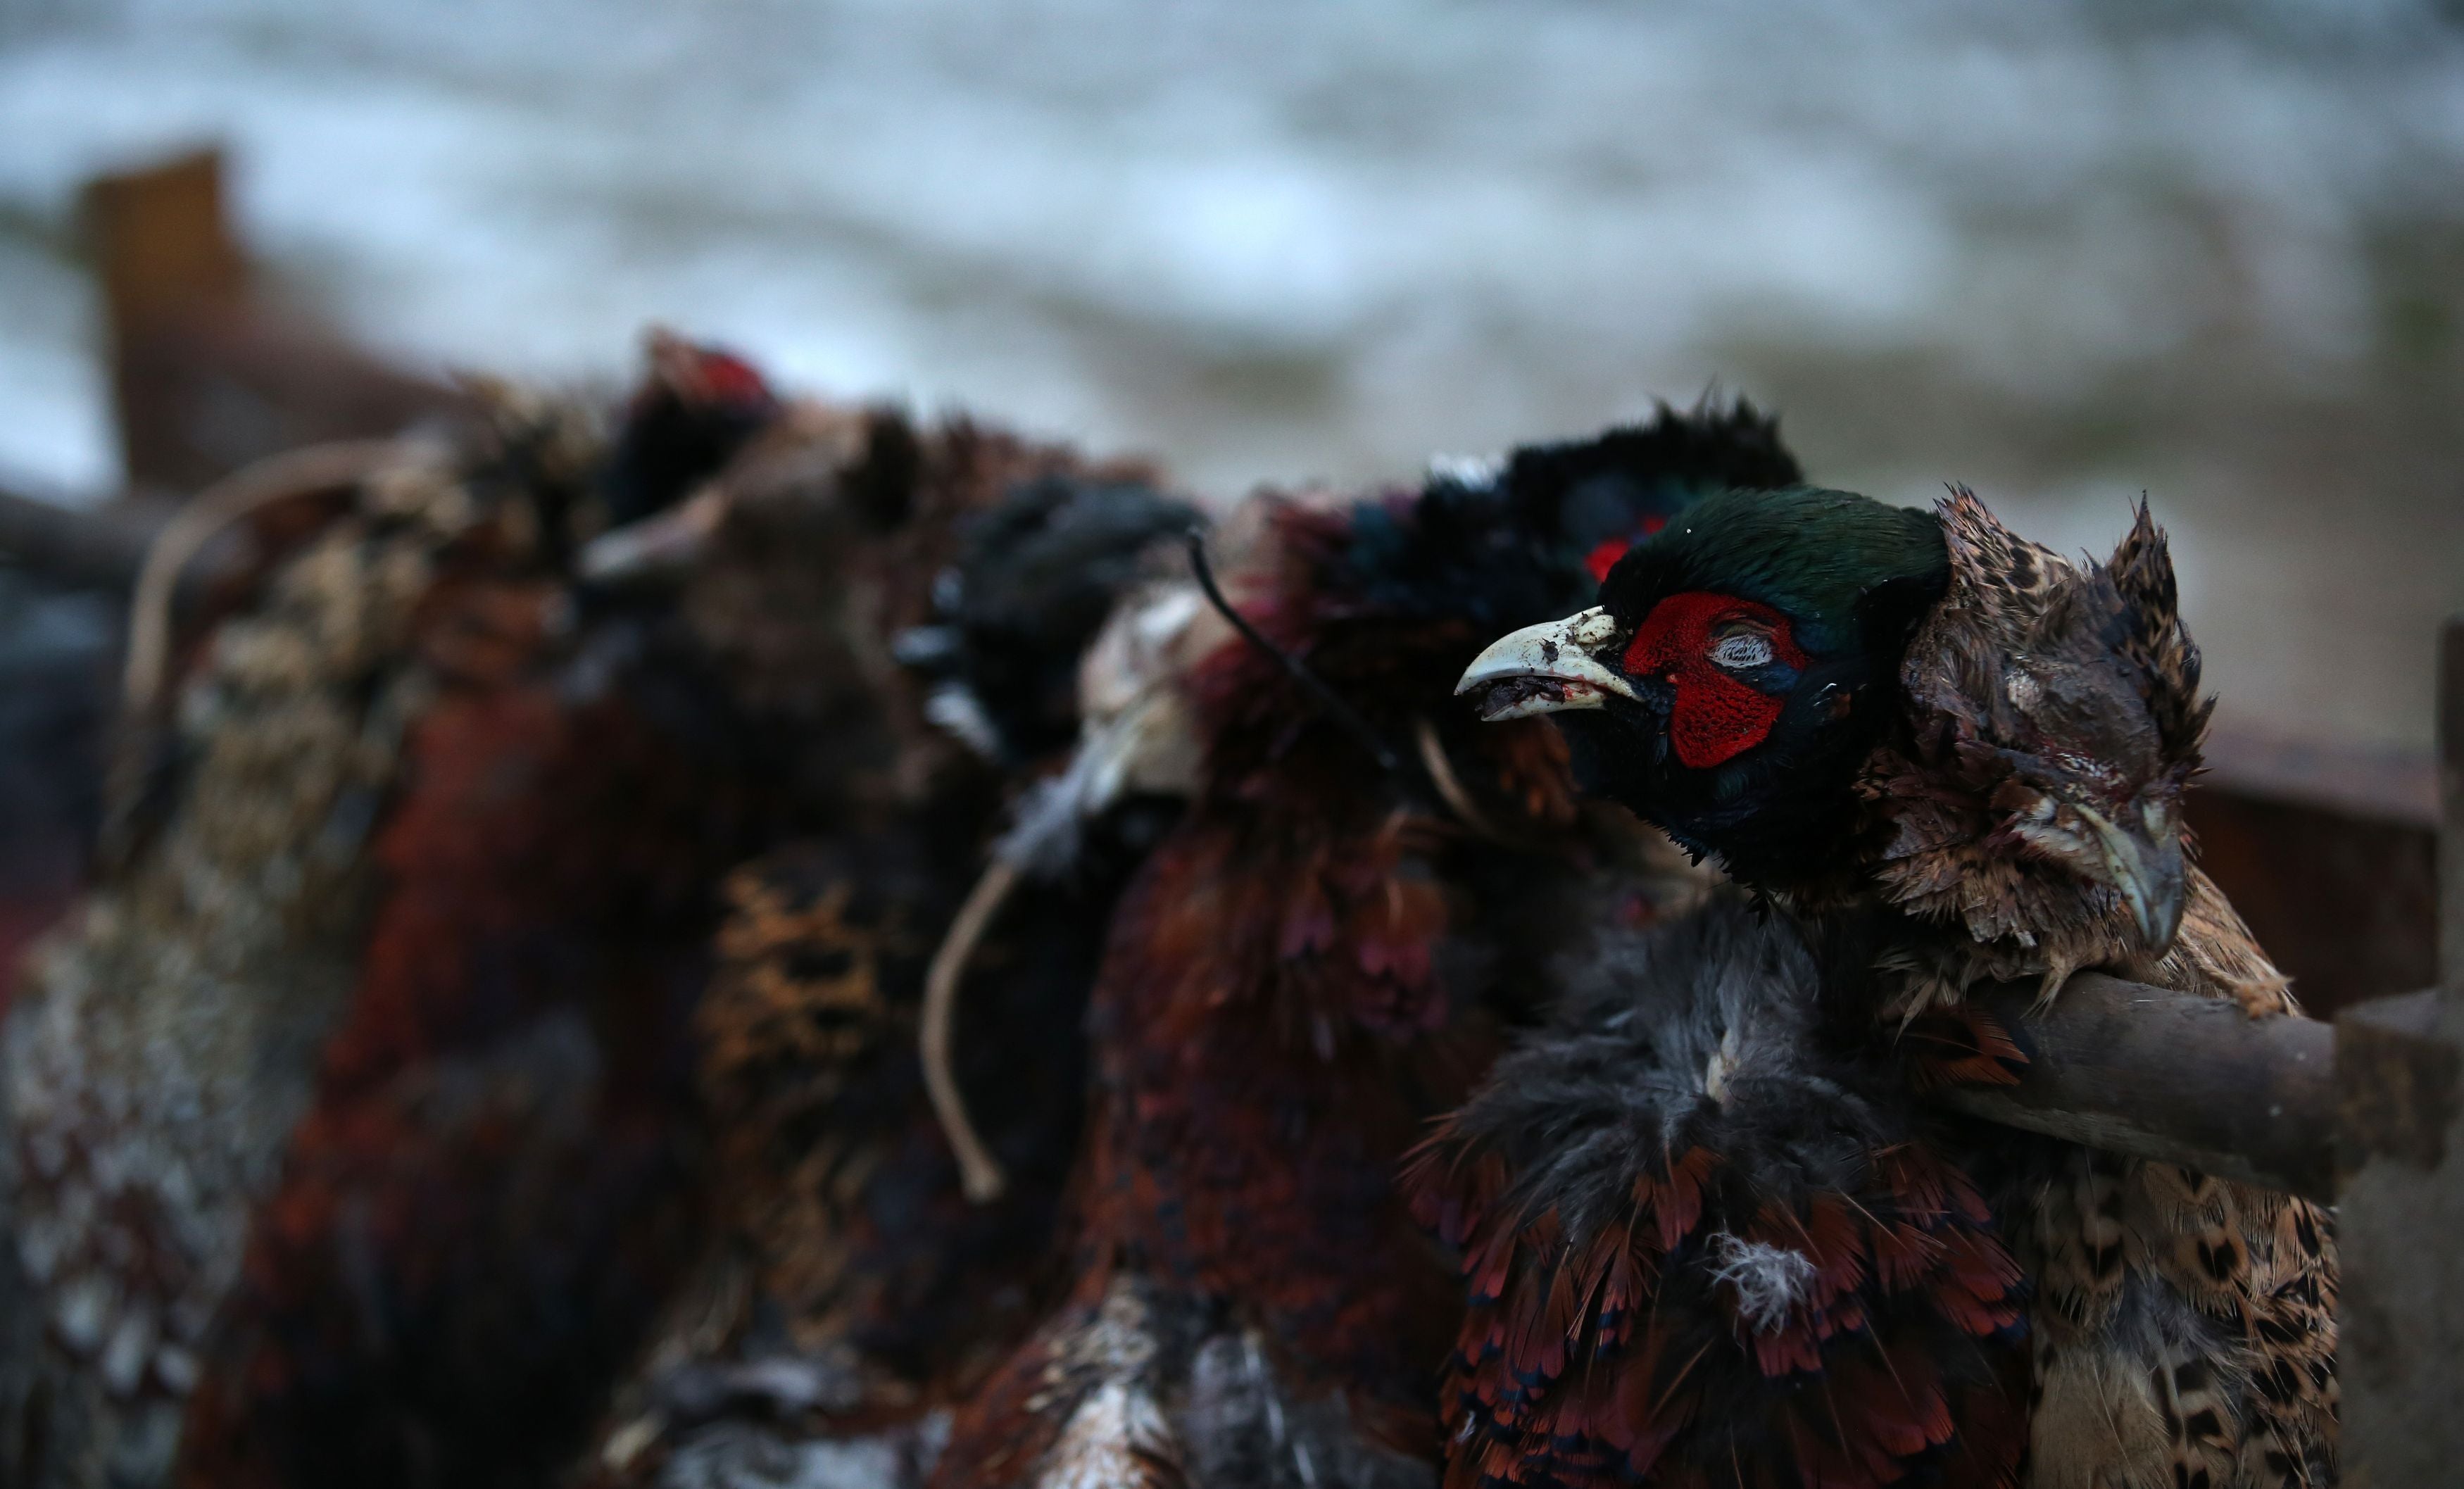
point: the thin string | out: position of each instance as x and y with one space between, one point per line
1336 708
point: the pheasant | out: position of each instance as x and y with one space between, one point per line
697 410
489 1183
852 1289
1864 711
1709 1237
1315 960
163 1042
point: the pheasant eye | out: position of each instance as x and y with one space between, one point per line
1742 651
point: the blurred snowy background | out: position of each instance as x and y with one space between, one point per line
2062 251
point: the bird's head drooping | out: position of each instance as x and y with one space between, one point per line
2054 724
1725 686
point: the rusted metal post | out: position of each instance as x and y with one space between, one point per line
2400 1096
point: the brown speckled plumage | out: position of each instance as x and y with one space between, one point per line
2184 1326
2036 684
164 1040
434 865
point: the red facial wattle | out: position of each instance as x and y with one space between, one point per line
1717 716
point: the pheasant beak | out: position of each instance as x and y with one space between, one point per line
1545 668
2144 867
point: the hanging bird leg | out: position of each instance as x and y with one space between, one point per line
978 1172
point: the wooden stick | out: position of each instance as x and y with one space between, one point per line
2172 1077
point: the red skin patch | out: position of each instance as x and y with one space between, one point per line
1717 716
1602 559
1599 560
732 379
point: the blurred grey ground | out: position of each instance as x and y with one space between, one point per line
2063 253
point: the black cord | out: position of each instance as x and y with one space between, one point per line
1336 708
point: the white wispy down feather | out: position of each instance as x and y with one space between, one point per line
1770 1280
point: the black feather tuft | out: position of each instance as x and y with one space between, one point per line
1035 578
1614 1082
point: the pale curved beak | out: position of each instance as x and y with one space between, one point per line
1544 669
2145 868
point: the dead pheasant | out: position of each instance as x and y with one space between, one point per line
164 1042
1865 710
853 1289
1315 961
490 1188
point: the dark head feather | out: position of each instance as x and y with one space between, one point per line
1832 561
1035 577
698 406
1387 599
1505 549
1623 485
